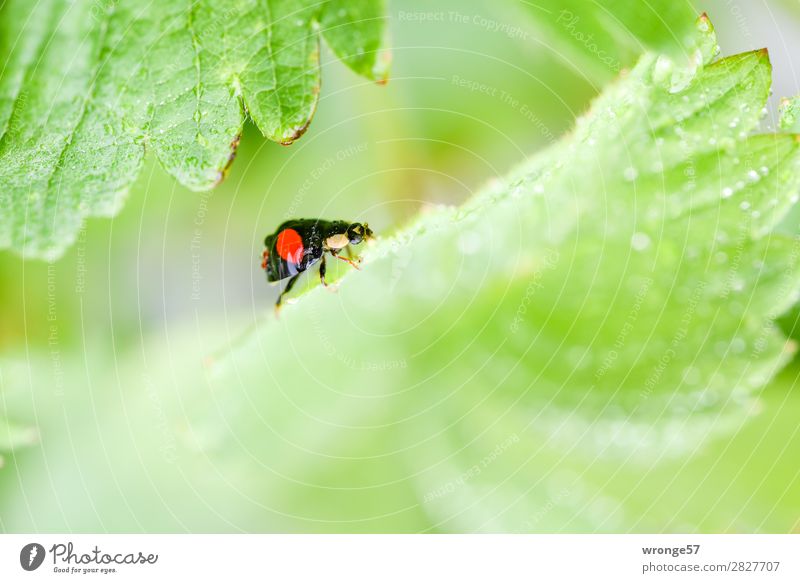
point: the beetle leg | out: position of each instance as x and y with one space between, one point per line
322 271
349 260
285 291
355 258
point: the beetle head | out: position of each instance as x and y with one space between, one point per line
358 232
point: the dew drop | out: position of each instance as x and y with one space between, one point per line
640 241
630 174
691 376
469 243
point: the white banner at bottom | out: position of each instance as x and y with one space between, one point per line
416 558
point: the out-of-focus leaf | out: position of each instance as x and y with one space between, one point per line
606 36
790 122
580 330
790 114
86 86
615 297
12 435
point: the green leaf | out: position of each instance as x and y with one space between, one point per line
87 86
790 114
12 435
560 353
613 299
603 37
790 122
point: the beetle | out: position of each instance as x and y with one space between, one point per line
297 244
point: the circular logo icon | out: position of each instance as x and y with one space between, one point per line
31 556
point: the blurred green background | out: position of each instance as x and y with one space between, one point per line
95 347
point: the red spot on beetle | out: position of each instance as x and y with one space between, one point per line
289 245
264 258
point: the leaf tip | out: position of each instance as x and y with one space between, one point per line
380 71
293 134
704 24
234 146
